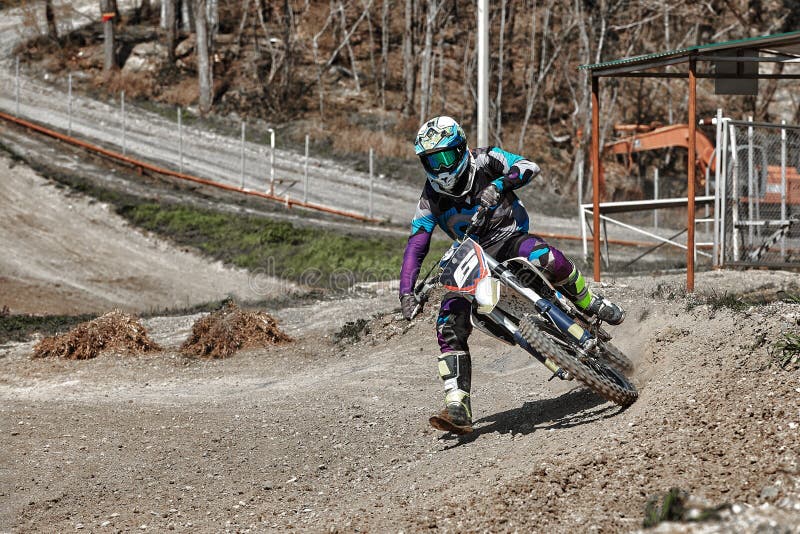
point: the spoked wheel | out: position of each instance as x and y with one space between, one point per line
614 357
602 378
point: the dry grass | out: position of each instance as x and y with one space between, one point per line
114 331
230 329
138 85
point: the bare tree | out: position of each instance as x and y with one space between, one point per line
108 8
498 103
425 65
346 41
409 60
50 17
170 27
385 30
205 78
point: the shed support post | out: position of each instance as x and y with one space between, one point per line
691 166
596 171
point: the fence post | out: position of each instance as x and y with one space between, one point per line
242 158
122 104
271 161
717 170
783 188
305 174
655 197
16 86
371 179
69 104
581 214
180 140
750 183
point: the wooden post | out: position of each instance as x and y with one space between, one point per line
691 165
596 173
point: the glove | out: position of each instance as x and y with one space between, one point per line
408 304
490 196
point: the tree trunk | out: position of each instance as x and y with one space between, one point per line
384 50
212 16
288 44
409 63
109 57
204 66
187 12
49 15
498 103
426 67
170 27
353 64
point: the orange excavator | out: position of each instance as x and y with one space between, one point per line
656 136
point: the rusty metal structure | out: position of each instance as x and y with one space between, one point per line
734 67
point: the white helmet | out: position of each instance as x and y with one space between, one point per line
442 148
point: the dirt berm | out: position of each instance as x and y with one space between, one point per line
322 435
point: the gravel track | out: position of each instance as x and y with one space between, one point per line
318 436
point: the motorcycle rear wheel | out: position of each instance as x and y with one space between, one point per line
601 378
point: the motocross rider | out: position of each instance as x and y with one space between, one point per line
460 180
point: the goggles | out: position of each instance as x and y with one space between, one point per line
444 160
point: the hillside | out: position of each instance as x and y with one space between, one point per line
357 74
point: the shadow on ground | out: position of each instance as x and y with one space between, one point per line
575 407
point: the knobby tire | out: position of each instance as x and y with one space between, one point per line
601 378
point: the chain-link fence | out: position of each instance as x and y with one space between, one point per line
234 154
761 204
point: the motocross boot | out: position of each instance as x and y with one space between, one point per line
455 369
576 290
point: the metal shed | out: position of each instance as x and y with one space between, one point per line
734 67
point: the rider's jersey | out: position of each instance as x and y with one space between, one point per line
453 214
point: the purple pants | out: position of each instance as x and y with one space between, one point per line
453 326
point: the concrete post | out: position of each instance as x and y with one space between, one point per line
271 161
305 173
371 180
69 104
124 125
242 152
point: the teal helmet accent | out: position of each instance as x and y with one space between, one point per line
442 148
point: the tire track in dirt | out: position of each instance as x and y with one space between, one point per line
319 436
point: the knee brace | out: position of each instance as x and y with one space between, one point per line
455 370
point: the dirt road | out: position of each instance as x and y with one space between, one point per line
64 253
318 436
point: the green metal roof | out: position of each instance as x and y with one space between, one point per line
771 42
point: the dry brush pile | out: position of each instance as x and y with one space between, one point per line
114 331
230 329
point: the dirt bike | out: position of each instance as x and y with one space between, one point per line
514 302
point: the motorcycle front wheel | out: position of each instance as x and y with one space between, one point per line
601 378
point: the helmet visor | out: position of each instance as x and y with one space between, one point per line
443 161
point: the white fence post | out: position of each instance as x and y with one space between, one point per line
371 179
122 105
180 140
581 213
69 104
783 189
655 197
750 182
271 161
16 86
242 155
305 174
717 189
